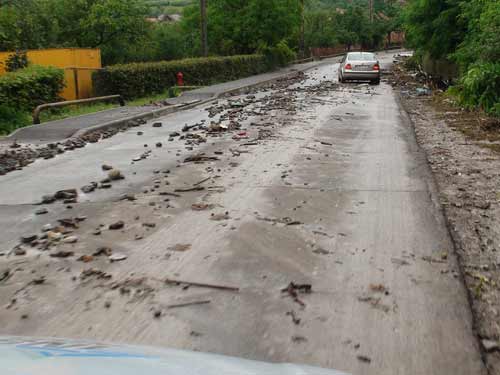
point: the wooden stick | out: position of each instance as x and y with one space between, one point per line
202 285
185 304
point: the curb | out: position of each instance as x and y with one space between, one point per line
180 107
162 111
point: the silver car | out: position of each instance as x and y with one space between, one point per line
360 66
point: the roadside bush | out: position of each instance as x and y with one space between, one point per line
16 61
27 88
11 119
142 79
278 55
480 87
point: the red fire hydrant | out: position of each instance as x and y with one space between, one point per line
180 79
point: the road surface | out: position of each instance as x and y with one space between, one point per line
329 189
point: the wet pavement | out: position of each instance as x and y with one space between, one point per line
306 182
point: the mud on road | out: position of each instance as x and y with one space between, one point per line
295 223
462 149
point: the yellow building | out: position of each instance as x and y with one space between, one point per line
78 65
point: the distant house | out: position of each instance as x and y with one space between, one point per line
165 18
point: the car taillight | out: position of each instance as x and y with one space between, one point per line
348 66
376 67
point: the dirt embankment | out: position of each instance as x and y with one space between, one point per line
463 150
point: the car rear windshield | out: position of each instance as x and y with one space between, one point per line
361 56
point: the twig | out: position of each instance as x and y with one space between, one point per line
185 304
196 188
202 181
202 285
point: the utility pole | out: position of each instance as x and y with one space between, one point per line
302 43
204 29
370 2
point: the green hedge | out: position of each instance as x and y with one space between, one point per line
27 88
143 79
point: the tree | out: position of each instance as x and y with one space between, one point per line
434 26
241 26
112 25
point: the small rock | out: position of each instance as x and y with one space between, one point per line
19 251
47 199
62 254
70 239
86 258
106 167
117 226
107 304
490 345
89 188
149 225
115 175
41 211
364 358
174 134
117 257
180 247
159 144
29 238
140 133
157 313
103 251
157 125
54 236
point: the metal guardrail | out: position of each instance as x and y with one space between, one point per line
40 108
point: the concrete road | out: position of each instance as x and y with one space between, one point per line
334 193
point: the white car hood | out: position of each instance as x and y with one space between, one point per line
27 356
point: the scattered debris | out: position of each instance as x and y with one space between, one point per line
185 304
86 258
41 211
29 238
364 358
299 339
321 251
186 190
292 314
115 175
117 226
103 251
93 272
180 247
379 288
62 254
202 285
375 302
200 206
220 217
117 257
490 345
294 289
200 158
